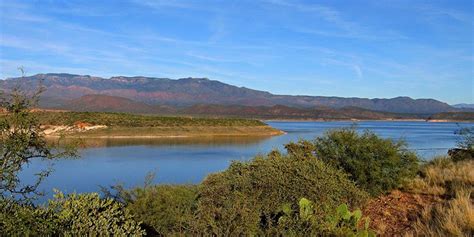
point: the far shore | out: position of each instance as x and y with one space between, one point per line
169 132
367 120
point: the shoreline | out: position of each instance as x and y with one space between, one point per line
369 120
168 132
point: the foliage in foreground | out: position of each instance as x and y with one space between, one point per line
74 215
249 197
375 164
452 218
339 222
21 141
442 176
259 197
163 209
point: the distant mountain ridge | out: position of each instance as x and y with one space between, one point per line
105 103
63 88
464 106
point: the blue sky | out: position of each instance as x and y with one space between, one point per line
374 49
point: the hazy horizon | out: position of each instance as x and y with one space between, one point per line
366 49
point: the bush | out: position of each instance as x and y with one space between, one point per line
373 163
20 219
87 214
72 215
164 209
249 197
465 146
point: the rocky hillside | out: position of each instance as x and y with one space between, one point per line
61 88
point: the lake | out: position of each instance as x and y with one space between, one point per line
178 161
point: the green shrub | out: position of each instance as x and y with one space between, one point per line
373 163
88 214
20 219
71 215
249 197
164 209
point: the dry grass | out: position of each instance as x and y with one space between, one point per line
452 218
442 176
454 182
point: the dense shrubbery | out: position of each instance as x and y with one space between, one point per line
74 215
19 219
375 164
249 197
162 209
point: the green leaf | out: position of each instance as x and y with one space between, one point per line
363 233
286 208
342 210
306 209
357 214
372 234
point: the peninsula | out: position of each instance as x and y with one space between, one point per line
122 125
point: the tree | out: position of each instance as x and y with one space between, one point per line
21 141
465 145
375 164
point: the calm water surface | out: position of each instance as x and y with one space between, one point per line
109 162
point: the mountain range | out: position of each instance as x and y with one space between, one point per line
163 95
464 106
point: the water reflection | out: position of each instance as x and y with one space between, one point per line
207 141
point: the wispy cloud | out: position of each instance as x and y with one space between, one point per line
356 68
343 28
165 3
433 11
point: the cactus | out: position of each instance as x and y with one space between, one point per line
306 209
348 222
342 223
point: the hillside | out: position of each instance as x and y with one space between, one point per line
104 103
464 106
62 88
453 116
285 112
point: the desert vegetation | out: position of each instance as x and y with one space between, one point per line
133 120
452 182
121 125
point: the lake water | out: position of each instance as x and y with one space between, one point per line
179 161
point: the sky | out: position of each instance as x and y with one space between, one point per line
350 48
